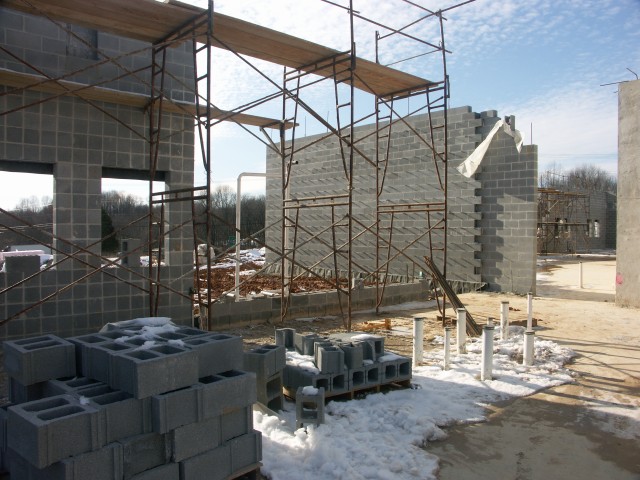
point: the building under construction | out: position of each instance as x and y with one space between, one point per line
92 92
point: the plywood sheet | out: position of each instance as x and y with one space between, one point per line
152 21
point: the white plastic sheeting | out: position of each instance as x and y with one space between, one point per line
471 164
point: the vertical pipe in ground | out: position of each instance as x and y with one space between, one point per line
486 366
527 351
447 347
418 335
580 275
461 327
529 311
504 320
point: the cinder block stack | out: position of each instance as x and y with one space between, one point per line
170 403
268 362
342 363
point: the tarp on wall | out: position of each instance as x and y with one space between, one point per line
471 164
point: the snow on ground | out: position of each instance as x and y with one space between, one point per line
380 436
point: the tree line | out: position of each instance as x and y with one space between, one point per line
588 178
125 216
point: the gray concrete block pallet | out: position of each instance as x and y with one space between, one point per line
346 363
159 411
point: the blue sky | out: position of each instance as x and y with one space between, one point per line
543 61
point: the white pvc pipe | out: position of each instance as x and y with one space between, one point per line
504 320
580 275
238 239
447 347
418 337
486 366
527 350
529 311
461 327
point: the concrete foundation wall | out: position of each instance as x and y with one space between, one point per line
485 243
78 144
628 228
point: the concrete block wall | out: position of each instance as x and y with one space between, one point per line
508 223
79 145
173 422
472 254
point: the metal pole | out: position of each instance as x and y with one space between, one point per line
461 326
504 320
238 212
418 338
486 366
527 353
447 347
529 311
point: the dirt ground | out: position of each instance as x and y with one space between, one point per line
563 432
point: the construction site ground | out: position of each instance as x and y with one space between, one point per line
562 432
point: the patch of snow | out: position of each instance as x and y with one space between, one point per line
309 390
386 432
305 362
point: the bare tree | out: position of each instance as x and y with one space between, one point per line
584 177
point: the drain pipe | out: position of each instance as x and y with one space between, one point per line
529 311
447 347
504 320
238 239
461 330
580 275
486 366
418 338
527 353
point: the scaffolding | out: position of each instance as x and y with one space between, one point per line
306 65
564 222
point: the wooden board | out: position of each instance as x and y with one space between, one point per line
152 21
39 83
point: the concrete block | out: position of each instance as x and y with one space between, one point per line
214 464
284 337
299 377
245 450
339 383
303 342
19 393
102 464
405 368
236 423
3 439
144 452
265 361
388 371
62 386
51 429
101 359
196 438
309 406
38 359
353 354
226 392
170 471
83 346
373 374
330 360
216 353
356 378
269 392
121 415
155 370
173 409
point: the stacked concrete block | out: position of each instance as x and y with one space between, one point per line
309 406
344 363
285 337
268 363
157 411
